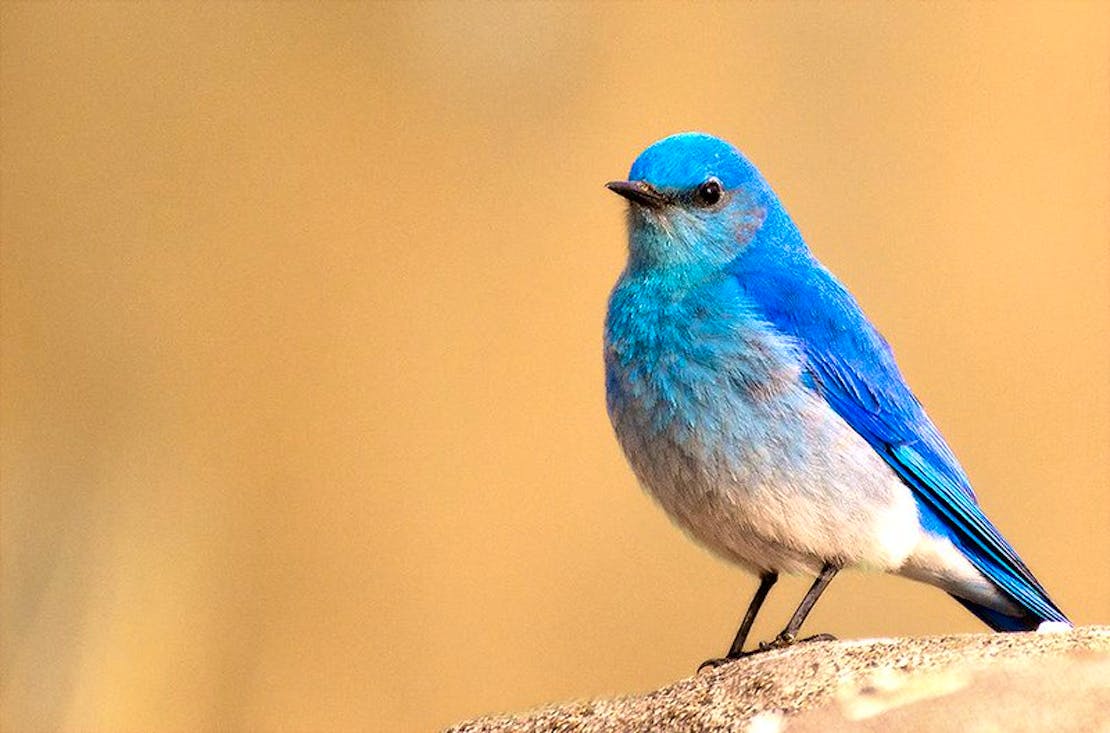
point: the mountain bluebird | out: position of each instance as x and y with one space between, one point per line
760 407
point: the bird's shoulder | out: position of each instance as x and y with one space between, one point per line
846 359
804 301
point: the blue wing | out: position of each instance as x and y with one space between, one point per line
853 368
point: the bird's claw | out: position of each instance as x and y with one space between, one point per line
781 641
718 661
784 640
715 662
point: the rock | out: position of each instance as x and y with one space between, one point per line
979 682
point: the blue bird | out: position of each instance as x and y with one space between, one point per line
758 405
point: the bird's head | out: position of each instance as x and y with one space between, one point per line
694 202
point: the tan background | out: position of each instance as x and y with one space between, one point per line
303 421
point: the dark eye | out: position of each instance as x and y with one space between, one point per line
709 192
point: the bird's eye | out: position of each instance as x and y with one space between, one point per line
709 192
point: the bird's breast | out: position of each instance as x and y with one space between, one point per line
700 392
680 364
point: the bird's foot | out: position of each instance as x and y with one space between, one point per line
785 639
733 656
781 641
718 661
715 662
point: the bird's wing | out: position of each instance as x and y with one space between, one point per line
852 367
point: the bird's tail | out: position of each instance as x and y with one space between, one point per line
1015 582
1000 621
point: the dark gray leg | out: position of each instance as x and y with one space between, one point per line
765 582
737 649
789 635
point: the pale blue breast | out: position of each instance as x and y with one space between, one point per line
691 364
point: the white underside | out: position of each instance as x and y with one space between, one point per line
833 500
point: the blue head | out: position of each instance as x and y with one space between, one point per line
695 203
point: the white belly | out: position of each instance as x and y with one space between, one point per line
777 483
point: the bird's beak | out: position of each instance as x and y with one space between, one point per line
639 192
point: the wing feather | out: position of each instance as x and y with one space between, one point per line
853 368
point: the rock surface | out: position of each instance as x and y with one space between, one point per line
977 682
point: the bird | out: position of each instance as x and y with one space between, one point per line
758 405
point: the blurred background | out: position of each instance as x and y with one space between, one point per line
302 397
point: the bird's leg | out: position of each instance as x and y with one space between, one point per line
789 635
766 581
737 649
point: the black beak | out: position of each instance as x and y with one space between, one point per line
638 192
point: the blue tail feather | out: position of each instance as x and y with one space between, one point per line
999 621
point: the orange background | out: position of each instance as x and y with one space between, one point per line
303 418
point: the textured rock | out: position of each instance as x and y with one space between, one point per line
988 682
